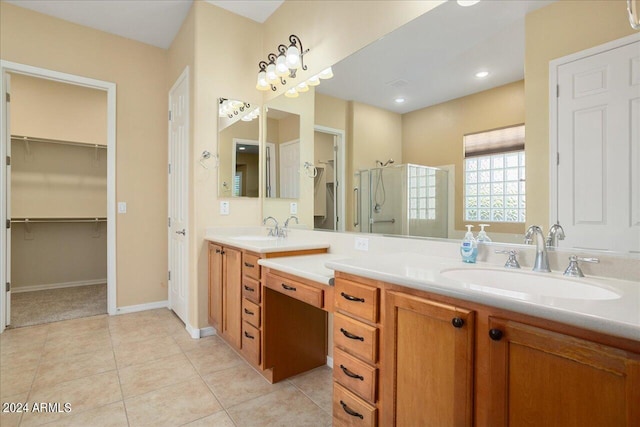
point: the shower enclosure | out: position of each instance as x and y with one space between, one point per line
410 200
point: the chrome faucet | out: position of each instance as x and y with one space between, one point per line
285 229
556 232
542 260
275 231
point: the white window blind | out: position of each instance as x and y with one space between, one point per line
494 141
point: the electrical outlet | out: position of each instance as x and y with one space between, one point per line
224 207
362 244
293 208
122 207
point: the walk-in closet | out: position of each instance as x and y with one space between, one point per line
58 201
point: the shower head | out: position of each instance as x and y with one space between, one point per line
385 164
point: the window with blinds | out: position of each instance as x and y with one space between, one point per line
494 189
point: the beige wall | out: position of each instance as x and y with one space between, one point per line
433 136
552 32
140 73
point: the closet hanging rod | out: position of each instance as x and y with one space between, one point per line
55 141
52 220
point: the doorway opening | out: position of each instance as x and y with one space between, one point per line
329 197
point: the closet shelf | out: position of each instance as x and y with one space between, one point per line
55 141
52 220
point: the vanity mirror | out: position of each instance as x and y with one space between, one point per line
238 149
414 95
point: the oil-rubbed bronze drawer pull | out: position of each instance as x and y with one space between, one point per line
247 288
246 264
250 313
351 374
288 288
351 297
246 334
351 411
350 335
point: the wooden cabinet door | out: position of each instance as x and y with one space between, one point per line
428 363
215 286
232 296
548 379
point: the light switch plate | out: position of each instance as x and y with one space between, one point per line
224 207
362 244
122 207
293 208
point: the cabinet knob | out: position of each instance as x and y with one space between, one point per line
218 251
457 322
495 334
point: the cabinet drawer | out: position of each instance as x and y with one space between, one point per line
251 289
355 375
297 290
356 338
357 299
251 312
350 410
250 267
251 343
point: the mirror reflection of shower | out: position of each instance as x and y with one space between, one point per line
380 195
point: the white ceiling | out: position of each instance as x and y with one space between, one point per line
155 22
433 58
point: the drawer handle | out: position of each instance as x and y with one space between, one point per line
218 251
247 288
246 334
288 288
351 374
351 411
350 335
351 297
250 313
246 264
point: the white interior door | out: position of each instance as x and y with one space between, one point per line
179 196
289 164
7 188
598 127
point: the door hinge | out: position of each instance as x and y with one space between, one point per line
8 97
8 160
557 91
8 286
169 115
8 223
169 275
169 167
557 158
169 222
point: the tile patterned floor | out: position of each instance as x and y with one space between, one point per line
143 369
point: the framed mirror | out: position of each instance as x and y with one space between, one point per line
238 149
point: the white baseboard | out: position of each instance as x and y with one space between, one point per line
330 362
193 332
142 307
208 331
31 288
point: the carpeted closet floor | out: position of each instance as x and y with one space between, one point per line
34 308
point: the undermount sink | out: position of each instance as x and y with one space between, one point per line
523 285
255 238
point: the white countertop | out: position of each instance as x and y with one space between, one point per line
266 246
310 267
619 316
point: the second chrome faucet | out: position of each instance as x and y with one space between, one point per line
541 262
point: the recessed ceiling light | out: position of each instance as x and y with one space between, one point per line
482 74
467 3
242 147
399 100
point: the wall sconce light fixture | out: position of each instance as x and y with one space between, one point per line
285 63
634 19
231 107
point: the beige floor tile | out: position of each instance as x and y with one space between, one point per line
187 343
57 370
12 418
132 319
112 415
318 386
21 340
216 358
172 406
83 394
141 331
15 381
134 353
219 419
239 384
140 379
19 360
75 327
64 346
285 407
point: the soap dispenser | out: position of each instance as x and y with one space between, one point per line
482 235
469 246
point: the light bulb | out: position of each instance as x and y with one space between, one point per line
467 3
293 57
326 73
291 93
271 73
482 74
281 65
313 81
302 87
262 81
